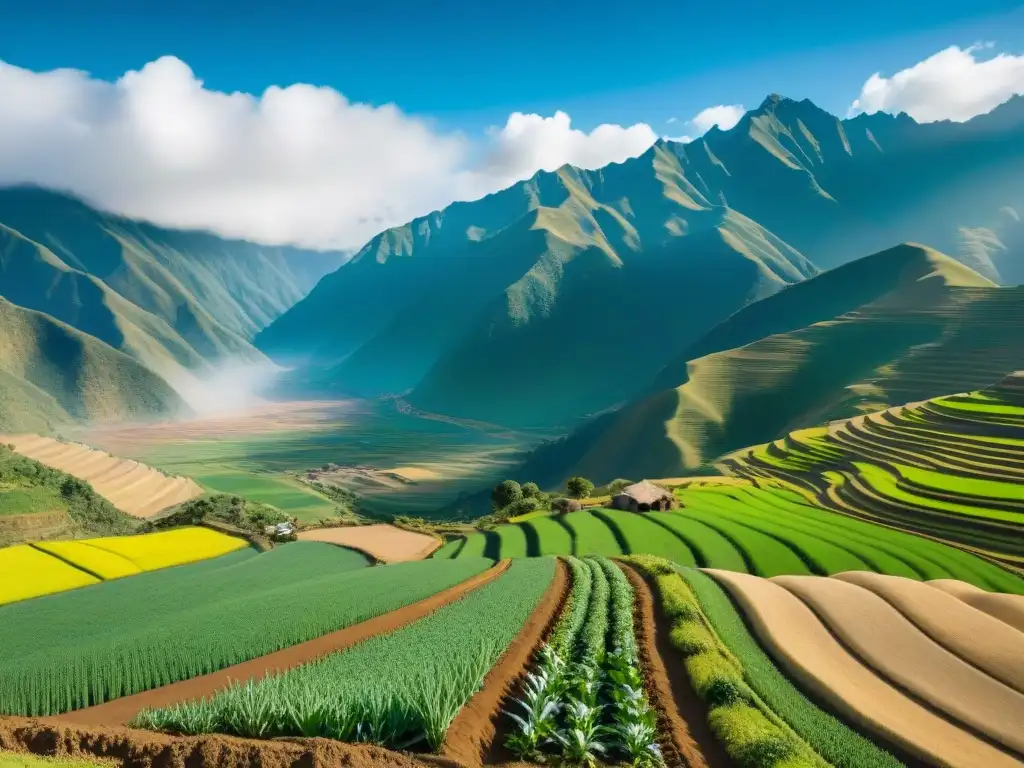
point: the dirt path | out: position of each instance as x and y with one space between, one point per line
687 739
804 648
121 711
471 738
144 749
382 541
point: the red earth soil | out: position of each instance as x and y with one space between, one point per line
471 738
144 749
682 716
121 711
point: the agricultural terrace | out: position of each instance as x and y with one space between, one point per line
402 689
585 699
906 681
132 487
950 468
762 531
56 566
75 649
383 542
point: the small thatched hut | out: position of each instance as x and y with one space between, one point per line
643 497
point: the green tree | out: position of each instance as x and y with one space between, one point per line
579 487
505 493
520 507
531 491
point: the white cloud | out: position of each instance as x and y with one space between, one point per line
670 120
953 84
725 116
529 143
298 165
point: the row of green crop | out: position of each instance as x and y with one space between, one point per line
752 734
767 532
71 650
585 700
830 738
399 690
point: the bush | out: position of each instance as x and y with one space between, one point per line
531 491
520 507
563 506
505 493
579 487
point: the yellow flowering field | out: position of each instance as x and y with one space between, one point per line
152 551
54 566
81 554
26 572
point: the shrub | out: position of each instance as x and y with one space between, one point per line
579 487
563 506
520 507
505 493
531 490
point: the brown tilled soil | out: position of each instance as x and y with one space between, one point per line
807 652
474 737
384 542
143 749
682 716
121 711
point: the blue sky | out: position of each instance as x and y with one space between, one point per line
468 64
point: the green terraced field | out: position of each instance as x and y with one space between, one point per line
406 686
951 468
764 531
120 637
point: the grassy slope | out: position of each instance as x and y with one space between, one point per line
53 372
30 488
175 301
540 286
841 343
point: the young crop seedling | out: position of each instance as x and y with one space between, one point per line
584 702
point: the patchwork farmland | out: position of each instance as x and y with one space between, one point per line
754 626
950 468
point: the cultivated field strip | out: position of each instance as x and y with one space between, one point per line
1007 608
48 567
829 656
48 574
953 624
899 652
837 743
586 699
764 531
88 646
383 542
133 488
400 689
951 468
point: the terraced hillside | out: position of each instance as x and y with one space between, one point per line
767 531
132 487
950 468
901 325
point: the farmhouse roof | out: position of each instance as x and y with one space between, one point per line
645 492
